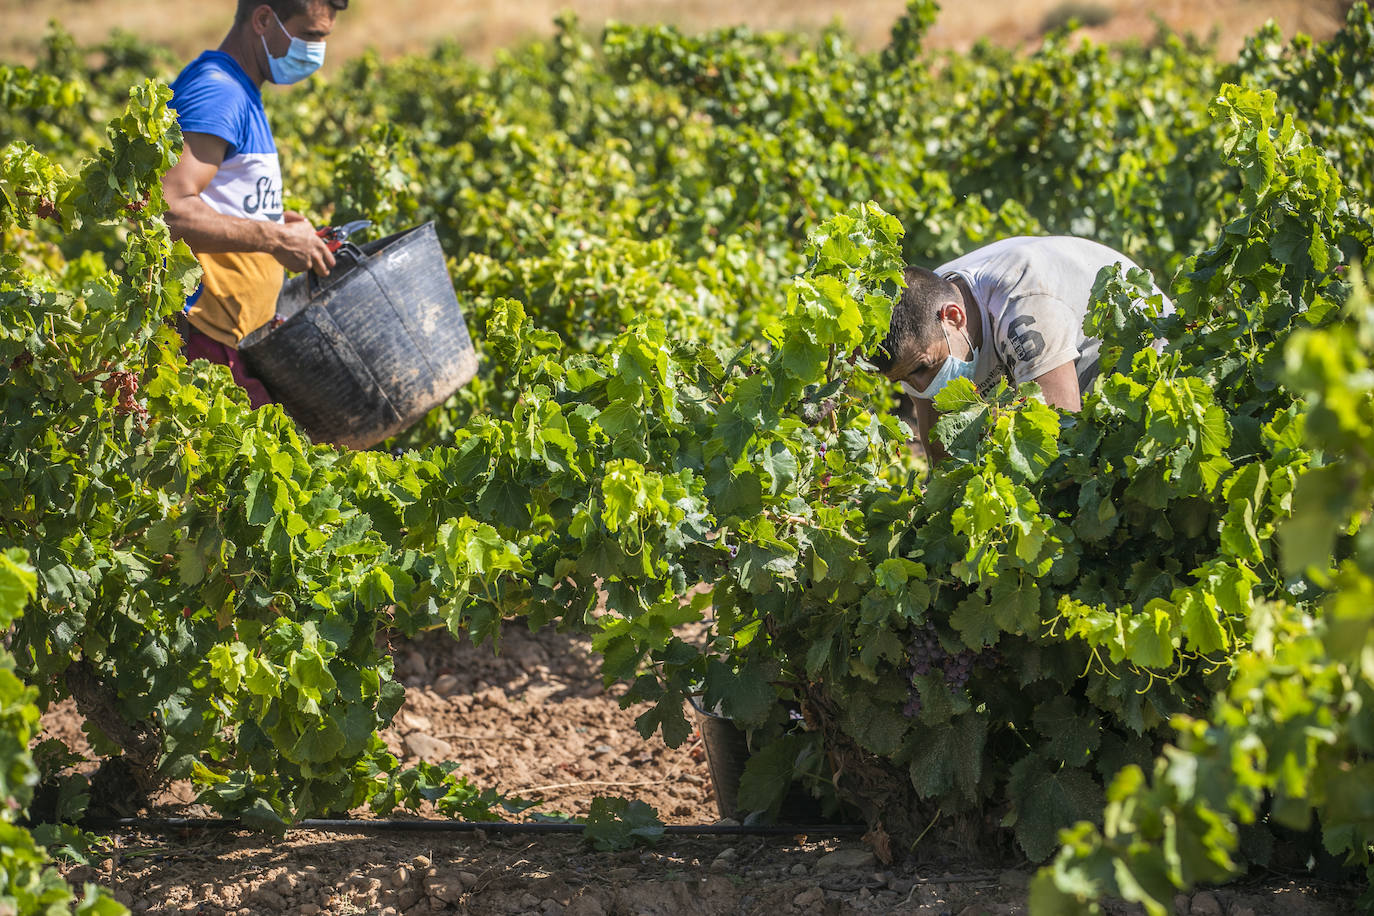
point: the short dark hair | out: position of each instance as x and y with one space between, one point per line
914 319
284 9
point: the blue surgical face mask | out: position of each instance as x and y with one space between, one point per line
301 59
951 369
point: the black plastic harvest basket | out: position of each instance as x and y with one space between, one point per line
727 754
367 351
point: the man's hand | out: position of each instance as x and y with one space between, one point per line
293 241
298 248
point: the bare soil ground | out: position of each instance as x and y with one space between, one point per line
482 27
535 721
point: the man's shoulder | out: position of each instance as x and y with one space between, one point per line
216 73
214 96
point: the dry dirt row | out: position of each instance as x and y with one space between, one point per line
535 721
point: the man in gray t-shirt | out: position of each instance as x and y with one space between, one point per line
1013 309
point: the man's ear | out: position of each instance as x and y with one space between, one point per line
261 19
954 313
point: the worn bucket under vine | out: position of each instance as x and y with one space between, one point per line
728 753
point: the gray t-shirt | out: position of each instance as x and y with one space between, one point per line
1034 294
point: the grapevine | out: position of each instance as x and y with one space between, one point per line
675 251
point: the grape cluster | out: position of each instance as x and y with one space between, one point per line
123 386
925 651
926 655
46 209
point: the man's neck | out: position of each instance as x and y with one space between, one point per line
239 45
974 312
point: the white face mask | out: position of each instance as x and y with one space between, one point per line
301 59
952 368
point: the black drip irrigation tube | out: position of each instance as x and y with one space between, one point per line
421 825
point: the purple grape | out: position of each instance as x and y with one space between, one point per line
957 669
926 655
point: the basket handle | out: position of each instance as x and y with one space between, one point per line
355 254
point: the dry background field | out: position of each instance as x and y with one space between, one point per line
481 26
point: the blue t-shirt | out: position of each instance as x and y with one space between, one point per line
214 96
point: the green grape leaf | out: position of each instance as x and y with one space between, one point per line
1244 493
1308 538
1069 734
1149 635
1047 798
665 715
975 622
615 824
744 695
18 583
769 772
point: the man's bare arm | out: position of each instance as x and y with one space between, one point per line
1060 387
292 242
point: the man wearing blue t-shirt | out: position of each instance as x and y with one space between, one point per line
225 195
